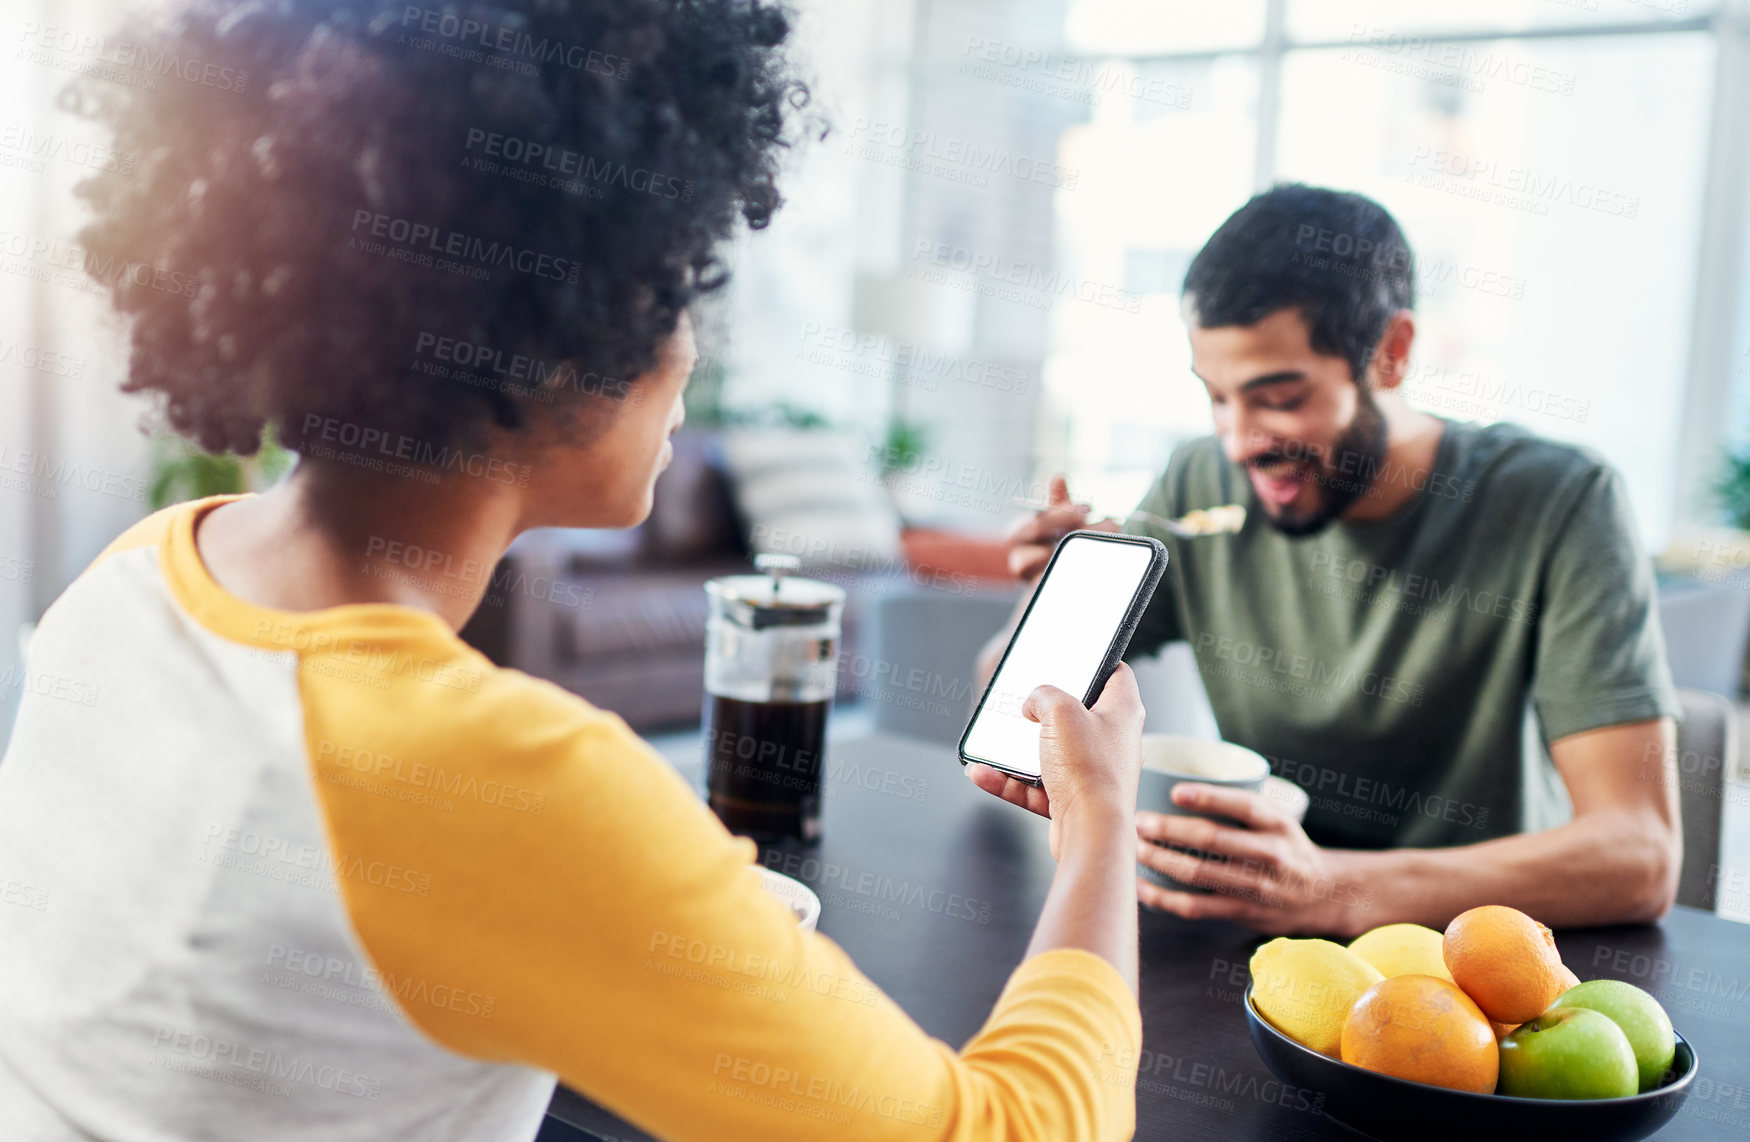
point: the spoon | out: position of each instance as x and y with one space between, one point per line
1201 522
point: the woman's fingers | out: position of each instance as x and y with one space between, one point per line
999 784
1120 698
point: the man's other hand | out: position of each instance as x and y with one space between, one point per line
1032 541
1262 870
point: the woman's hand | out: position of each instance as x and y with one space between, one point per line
1090 758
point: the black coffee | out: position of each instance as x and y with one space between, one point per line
764 762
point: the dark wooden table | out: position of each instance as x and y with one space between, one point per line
900 808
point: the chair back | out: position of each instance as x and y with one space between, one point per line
1707 758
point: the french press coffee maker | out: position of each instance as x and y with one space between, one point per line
771 666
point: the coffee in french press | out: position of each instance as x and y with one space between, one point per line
771 666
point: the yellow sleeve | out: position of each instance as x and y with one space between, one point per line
536 885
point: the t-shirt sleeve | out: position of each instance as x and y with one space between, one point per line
1159 624
150 532
1600 652
628 945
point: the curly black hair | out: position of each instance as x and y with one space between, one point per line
425 218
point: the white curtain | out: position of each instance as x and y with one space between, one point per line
72 458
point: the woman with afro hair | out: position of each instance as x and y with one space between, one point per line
316 869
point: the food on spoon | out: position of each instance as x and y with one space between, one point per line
1214 521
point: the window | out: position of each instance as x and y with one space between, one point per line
1547 159
1155 180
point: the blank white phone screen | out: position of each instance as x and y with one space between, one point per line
1062 643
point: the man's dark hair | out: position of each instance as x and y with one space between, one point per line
1339 258
341 188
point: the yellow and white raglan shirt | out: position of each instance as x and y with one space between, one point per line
334 877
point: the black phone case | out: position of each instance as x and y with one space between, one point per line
1156 568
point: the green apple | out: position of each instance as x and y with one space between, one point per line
1639 1015
1568 1052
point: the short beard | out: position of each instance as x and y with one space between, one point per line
1355 463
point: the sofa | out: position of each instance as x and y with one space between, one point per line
618 617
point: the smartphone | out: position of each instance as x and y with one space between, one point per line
1072 634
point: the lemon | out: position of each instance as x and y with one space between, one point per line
1404 949
1305 988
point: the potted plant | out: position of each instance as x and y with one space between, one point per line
1704 587
180 471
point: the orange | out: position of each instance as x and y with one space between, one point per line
1424 1029
1502 1030
1505 961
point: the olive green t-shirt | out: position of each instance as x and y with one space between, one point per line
1410 673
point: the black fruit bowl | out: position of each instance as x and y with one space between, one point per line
1396 1110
